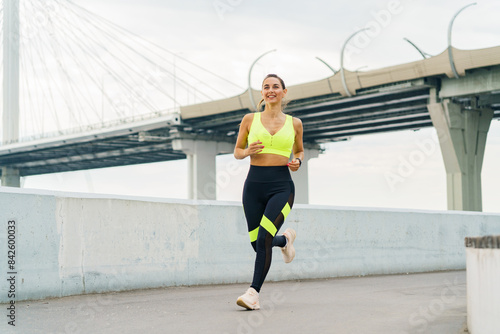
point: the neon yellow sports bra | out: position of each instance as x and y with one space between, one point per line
281 143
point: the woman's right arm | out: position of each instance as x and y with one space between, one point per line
240 150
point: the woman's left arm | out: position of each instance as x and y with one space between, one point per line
298 146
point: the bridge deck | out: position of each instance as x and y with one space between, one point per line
388 99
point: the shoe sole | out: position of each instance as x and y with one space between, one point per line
242 303
292 235
292 250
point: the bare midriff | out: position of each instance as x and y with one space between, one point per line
265 159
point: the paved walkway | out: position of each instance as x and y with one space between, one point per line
416 303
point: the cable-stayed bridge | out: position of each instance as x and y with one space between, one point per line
75 69
155 125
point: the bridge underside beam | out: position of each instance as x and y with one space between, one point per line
462 135
484 83
85 157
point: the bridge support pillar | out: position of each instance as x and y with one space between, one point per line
301 177
10 177
202 177
462 136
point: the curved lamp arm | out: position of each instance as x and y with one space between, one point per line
331 68
422 53
450 53
250 95
327 65
342 60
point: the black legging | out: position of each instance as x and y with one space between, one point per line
267 199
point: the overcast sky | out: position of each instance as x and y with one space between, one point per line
226 36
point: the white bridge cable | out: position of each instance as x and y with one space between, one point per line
43 72
148 44
33 54
42 46
91 74
90 58
83 71
77 109
78 70
47 94
37 119
37 124
116 39
89 102
127 69
24 87
92 55
114 74
45 77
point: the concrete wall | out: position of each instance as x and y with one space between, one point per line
483 290
70 244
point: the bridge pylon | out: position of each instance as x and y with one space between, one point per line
301 177
201 155
462 136
10 112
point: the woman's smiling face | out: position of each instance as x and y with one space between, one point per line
272 91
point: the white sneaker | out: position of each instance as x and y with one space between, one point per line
288 251
250 300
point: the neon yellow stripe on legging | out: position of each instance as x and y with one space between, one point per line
253 234
268 225
286 210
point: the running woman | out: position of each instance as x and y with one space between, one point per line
269 138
